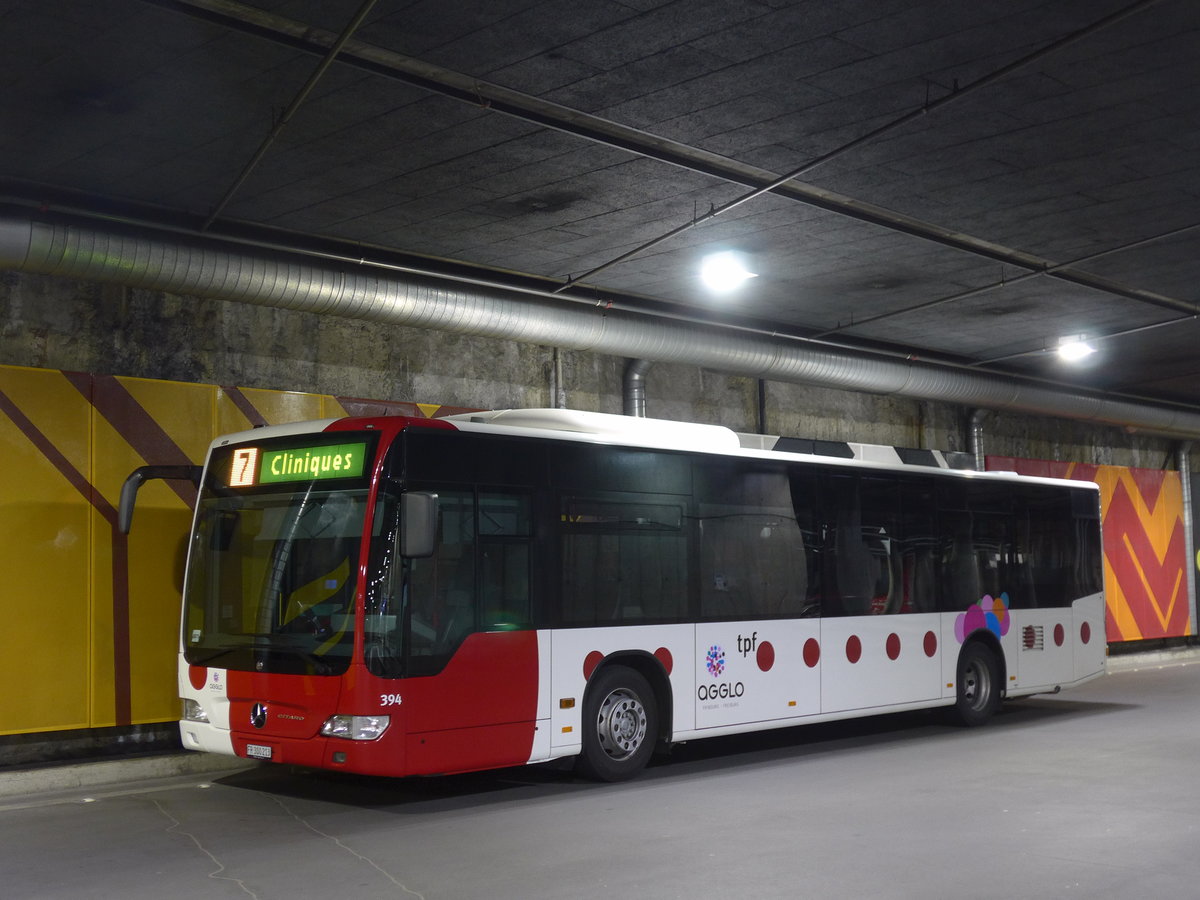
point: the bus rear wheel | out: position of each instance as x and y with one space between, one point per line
978 684
620 725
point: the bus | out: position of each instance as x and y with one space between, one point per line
400 596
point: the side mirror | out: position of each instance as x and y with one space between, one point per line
139 477
418 524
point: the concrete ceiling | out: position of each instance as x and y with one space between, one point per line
973 179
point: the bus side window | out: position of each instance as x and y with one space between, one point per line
918 555
1088 563
994 552
806 508
1064 553
980 541
863 568
505 532
441 589
623 560
384 591
1023 591
960 567
752 552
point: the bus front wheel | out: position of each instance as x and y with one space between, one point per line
978 684
620 725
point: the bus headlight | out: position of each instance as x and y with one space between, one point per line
194 712
356 728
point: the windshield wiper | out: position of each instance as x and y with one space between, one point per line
319 665
215 654
277 643
270 643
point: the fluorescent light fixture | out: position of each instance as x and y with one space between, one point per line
1074 348
724 271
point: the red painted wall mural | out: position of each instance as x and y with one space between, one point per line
1145 552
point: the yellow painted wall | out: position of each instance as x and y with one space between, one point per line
46 549
82 651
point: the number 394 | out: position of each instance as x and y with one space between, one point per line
390 700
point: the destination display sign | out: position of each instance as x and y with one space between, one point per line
257 465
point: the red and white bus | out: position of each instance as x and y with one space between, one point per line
400 596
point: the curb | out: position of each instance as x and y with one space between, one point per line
1158 659
102 773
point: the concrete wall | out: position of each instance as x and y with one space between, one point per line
57 323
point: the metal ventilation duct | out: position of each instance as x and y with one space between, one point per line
633 387
182 264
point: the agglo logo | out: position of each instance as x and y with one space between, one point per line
714 661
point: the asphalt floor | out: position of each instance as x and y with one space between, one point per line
1082 794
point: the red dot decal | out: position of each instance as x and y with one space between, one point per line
766 656
197 675
812 652
1028 637
853 649
1059 635
590 662
1085 632
893 646
930 644
663 655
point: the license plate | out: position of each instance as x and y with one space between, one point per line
258 751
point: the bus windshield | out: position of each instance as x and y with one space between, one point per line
272 578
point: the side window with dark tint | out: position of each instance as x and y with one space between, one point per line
882 538
960 585
1051 559
919 568
623 560
752 555
804 483
862 566
583 469
994 554
1089 551
978 540
441 589
1063 545
505 531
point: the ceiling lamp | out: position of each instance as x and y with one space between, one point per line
1074 348
724 271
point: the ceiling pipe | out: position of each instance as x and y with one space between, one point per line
1189 533
975 438
558 389
634 387
201 267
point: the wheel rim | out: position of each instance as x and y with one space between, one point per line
976 684
621 724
